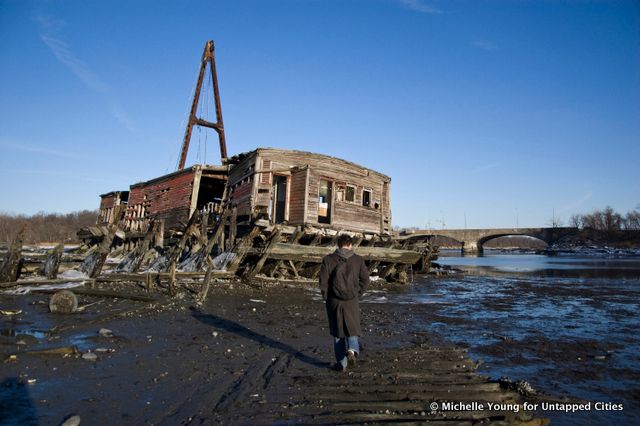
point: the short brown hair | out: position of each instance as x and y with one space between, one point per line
344 240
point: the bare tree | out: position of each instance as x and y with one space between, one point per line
632 220
576 221
46 227
555 222
612 220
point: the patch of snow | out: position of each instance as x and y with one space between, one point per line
222 260
73 274
28 289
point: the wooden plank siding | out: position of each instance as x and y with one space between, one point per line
298 195
167 198
243 185
172 197
304 171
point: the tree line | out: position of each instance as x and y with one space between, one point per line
607 220
46 227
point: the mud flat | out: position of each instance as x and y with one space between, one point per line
248 356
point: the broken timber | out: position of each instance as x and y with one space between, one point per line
52 262
10 268
300 253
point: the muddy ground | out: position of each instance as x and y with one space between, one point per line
248 356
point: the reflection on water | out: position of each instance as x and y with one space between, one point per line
568 325
550 266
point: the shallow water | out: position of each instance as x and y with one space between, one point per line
566 324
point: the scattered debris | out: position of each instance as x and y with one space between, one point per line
105 332
90 356
64 351
73 420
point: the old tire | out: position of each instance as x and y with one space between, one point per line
63 302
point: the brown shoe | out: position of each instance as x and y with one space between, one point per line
352 356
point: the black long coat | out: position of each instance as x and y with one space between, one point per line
344 315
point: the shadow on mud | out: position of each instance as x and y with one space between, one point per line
242 331
16 406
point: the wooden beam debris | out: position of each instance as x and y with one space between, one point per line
134 260
298 252
10 268
93 263
274 238
242 249
52 262
204 289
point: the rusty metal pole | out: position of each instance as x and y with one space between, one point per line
207 57
194 108
216 95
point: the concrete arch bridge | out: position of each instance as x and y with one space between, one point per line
472 240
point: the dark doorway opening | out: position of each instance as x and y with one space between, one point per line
325 197
280 198
210 193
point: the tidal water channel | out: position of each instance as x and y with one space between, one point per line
568 325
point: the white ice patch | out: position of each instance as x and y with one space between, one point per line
28 289
73 274
378 299
222 260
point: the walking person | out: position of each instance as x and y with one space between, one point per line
343 278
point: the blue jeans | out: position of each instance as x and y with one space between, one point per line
342 344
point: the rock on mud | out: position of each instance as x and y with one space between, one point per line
71 421
105 332
90 356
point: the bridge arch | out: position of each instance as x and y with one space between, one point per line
472 240
482 241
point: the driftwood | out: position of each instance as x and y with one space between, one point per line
64 351
10 268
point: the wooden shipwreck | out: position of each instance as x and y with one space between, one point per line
269 213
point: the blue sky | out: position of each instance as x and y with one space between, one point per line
484 113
